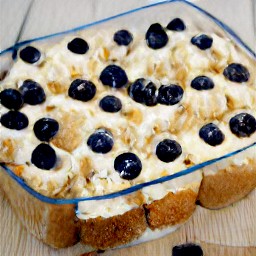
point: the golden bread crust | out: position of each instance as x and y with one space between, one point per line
227 186
58 226
171 210
55 225
106 233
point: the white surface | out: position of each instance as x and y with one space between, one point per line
11 17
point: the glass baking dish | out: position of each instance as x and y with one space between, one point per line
57 222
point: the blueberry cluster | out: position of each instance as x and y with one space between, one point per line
128 165
44 156
145 92
84 90
156 36
31 93
31 55
242 125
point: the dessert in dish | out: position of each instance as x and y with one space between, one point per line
105 110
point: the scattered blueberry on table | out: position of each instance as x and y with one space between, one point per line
114 76
46 128
202 83
11 99
14 120
78 46
176 24
32 92
110 104
188 249
156 37
128 165
123 37
169 94
236 72
203 42
211 134
242 125
44 157
82 90
168 150
101 141
30 54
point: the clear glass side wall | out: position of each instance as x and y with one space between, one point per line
144 17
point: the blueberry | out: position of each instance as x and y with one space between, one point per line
101 141
156 37
211 134
82 90
128 165
203 41
150 98
14 120
78 46
169 94
32 92
188 249
136 90
30 54
113 76
123 37
143 91
44 157
176 25
110 104
11 98
243 125
168 150
46 128
236 72
202 83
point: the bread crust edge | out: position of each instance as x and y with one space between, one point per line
58 226
227 186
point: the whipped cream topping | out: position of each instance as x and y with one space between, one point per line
80 172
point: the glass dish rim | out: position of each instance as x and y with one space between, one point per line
63 201
221 24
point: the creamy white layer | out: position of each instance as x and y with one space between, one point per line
136 127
